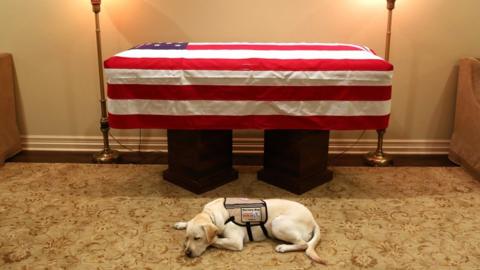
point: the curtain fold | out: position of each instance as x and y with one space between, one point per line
9 134
465 143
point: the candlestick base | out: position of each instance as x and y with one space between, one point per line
378 159
107 156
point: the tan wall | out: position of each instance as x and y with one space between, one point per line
54 49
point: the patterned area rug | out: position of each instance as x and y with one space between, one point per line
78 216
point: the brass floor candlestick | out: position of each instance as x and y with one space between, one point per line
107 155
378 158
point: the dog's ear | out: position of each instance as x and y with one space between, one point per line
210 232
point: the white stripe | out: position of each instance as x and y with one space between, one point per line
281 44
245 54
272 43
245 77
239 108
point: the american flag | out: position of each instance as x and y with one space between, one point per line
249 86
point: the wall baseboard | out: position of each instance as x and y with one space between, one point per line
240 145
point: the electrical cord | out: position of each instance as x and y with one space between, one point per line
140 141
126 147
338 156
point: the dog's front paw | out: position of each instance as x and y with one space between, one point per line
281 248
180 225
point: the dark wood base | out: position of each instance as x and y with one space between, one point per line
200 184
292 183
200 160
296 160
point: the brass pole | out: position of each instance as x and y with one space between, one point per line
379 158
389 35
107 155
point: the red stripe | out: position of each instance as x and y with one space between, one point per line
272 47
249 122
248 64
267 93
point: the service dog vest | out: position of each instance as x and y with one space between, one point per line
247 213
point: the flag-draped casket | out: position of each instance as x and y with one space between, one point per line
249 86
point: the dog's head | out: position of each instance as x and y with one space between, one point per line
201 233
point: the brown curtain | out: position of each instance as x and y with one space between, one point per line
9 134
465 143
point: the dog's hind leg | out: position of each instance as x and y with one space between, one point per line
291 247
286 230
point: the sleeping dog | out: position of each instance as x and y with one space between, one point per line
229 225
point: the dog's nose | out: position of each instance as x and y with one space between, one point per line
188 252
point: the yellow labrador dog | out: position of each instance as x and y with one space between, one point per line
288 221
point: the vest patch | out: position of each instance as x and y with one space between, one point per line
251 214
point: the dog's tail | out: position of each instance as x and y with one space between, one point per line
312 244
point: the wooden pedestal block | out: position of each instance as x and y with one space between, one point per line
200 160
296 160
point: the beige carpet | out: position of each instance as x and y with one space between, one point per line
78 216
